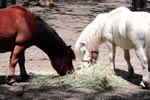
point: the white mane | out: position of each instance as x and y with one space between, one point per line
91 36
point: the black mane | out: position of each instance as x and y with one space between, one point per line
49 37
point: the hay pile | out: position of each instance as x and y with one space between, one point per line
95 76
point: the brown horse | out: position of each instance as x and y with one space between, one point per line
20 29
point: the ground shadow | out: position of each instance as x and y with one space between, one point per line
135 79
4 81
24 92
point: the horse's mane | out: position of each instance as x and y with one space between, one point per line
46 33
91 36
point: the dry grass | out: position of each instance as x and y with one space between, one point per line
95 76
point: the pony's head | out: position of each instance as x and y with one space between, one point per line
86 55
63 64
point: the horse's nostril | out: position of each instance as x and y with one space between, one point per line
69 72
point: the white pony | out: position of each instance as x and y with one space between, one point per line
123 28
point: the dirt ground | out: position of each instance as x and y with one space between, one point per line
69 19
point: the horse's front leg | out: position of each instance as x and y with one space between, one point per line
13 61
23 73
127 58
112 52
146 74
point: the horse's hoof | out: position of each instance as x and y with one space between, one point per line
144 85
11 82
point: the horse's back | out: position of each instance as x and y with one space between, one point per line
138 25
138 19
17 26
126 28
14 17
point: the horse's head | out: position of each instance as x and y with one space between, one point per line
89 56
63 65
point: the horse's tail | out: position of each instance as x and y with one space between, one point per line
77 48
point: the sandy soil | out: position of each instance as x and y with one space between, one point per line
69 19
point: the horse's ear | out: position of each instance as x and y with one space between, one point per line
70 52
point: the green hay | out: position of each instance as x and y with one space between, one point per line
95 76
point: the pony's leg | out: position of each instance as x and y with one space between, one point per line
13 61
23 73
146 74
112 52
127 58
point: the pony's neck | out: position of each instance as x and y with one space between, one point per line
48 40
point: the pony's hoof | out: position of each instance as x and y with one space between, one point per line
144 85
12 82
